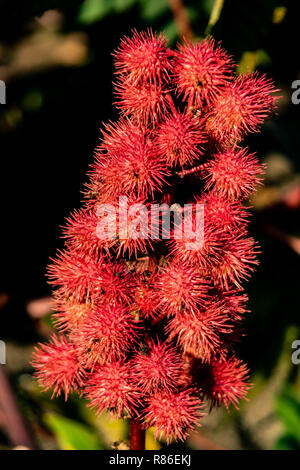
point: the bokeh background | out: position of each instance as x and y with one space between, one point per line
55 58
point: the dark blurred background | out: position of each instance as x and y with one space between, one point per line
55 59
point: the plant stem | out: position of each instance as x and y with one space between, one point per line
15 423
181 19
137 436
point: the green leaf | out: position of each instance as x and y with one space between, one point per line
94 10
72 435
214 15
150 10
170 30
287 442
288 409
121 5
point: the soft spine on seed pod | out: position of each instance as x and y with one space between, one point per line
148 327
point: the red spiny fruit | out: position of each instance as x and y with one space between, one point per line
226 382
81 233
110 388
135 169
180 287
223 212
241 108
143 58
201 71
202 253
157 369
146 303
117 137
238 260
145 102
57 366
234 302
200 333
234 173
116 284
77 275
107 334
179 139
70 314
152 305
173 414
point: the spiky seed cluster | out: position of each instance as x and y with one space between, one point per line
149 324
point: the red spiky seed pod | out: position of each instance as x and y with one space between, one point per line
241 108
225 382
234 173
75 274
223 212
180 140
201 71
238 260
157 369
145 102
57 366
201 333
143 58
110 388
173 414
106 335
180 287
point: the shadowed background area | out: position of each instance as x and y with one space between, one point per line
55 59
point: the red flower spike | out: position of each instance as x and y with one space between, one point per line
234 173
153 319
57 366
107 334
201 71
180 139
226 382
181 287
158 369
241 108
110 388
173 414
143 58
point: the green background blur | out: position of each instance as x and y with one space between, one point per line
55 58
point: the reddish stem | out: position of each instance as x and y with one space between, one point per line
14 421
137 436
181 19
